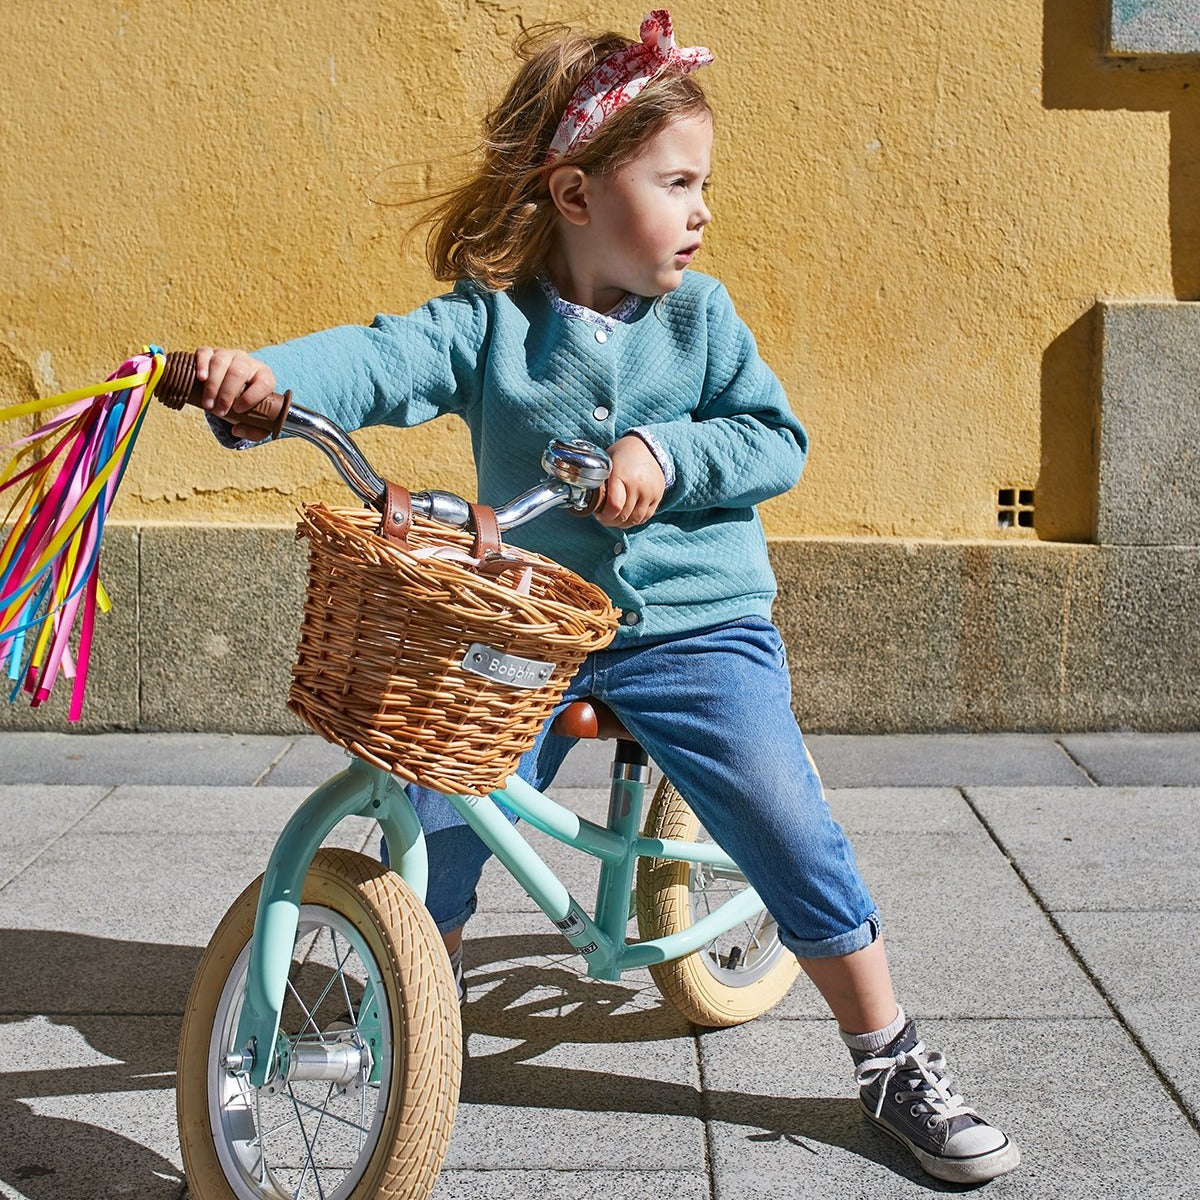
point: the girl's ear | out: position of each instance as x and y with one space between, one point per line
568 189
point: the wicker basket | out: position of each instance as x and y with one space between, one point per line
425 666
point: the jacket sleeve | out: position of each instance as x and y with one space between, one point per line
396 371
743 444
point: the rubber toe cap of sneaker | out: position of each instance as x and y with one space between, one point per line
974 1141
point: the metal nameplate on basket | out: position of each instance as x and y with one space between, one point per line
506 668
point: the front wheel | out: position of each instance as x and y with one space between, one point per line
371 1026
740 974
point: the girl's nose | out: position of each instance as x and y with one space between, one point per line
702 216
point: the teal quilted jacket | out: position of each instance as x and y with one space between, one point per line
684 370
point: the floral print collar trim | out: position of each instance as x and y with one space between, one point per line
607 321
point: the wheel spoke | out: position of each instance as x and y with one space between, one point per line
308 1149
313 1108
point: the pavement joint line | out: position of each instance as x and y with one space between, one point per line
55 840
710 1166
91 1012
287 749
1077 764
582 1170
1089 974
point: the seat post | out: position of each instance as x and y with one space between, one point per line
630 775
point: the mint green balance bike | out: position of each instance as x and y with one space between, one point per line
321 1047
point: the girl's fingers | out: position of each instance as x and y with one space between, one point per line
232 380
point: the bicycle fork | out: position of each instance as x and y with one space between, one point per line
359 790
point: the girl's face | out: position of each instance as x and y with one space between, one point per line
640 226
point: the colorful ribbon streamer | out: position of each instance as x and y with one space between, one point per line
49 561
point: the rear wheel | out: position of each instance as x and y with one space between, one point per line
740 974
372 1032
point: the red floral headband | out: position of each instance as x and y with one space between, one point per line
620 77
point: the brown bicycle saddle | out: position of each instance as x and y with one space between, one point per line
590 718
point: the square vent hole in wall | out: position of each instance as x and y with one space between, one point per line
1014 508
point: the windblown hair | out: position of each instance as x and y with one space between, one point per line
496 227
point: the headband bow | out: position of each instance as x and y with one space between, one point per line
620 77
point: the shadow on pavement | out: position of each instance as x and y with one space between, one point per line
89 1026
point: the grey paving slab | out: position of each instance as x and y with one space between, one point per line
32 816
1135 957
784 1122
573 1185
576 1087
527 984
942 760
63 974
565 1072
307 761
964 937
572 1106
1138 759
87 1108
79 758
220 810
1113 849
867 811
562 1072
158 888
145 888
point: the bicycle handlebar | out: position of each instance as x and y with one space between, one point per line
575 470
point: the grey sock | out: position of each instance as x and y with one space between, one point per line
456 965
879 1039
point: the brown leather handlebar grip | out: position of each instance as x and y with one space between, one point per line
179 386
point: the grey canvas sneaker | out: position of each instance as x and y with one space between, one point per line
907 1092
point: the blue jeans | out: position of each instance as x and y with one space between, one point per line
713 710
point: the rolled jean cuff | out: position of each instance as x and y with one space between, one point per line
842 943
460 919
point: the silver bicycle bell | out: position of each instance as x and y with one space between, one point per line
577 462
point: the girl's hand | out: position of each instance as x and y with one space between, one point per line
635 487
233 382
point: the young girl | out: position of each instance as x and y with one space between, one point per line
574 314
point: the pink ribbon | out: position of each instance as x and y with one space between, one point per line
620 77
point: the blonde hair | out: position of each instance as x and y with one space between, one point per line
497 226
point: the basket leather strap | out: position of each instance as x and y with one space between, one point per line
397 521
397 514
487 530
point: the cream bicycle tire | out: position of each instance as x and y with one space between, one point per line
401 1152
708 991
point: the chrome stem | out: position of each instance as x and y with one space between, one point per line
574 470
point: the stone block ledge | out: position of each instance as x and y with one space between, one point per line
882 636
1154 29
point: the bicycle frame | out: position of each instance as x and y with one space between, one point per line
367 791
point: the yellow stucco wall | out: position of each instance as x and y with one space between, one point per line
917 206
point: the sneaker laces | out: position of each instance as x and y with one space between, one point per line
926 1077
